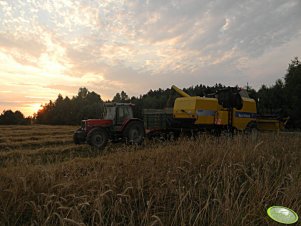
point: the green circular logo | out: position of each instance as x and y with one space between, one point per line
282 214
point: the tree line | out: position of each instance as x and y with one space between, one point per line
10 117
69 111
282 99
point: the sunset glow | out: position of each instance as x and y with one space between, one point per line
55 47
35 107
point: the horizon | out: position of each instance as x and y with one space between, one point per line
49 48
39 106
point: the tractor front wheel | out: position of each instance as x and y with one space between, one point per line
98 138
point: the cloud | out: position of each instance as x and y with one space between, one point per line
51 47
27 45
158 37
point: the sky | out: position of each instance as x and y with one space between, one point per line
49 47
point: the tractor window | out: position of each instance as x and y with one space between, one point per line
110 113
127 112
120 112
124 113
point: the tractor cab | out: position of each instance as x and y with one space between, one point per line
118 112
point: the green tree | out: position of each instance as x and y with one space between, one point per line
272 100
117 98
71 111
9 117
121 98
82 92
293 92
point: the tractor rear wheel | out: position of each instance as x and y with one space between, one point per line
98 138
134 133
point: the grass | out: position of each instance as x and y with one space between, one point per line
46 180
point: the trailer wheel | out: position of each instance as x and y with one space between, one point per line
134 133
98 138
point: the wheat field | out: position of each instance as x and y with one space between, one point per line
46 180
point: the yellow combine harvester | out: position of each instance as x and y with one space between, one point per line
225 110
230 109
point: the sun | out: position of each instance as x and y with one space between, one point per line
35 107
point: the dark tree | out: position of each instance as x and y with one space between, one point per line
121 98
293 92
66 111
13 118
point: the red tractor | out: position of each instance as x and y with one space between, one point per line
118 124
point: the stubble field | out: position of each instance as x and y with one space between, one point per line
46 180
